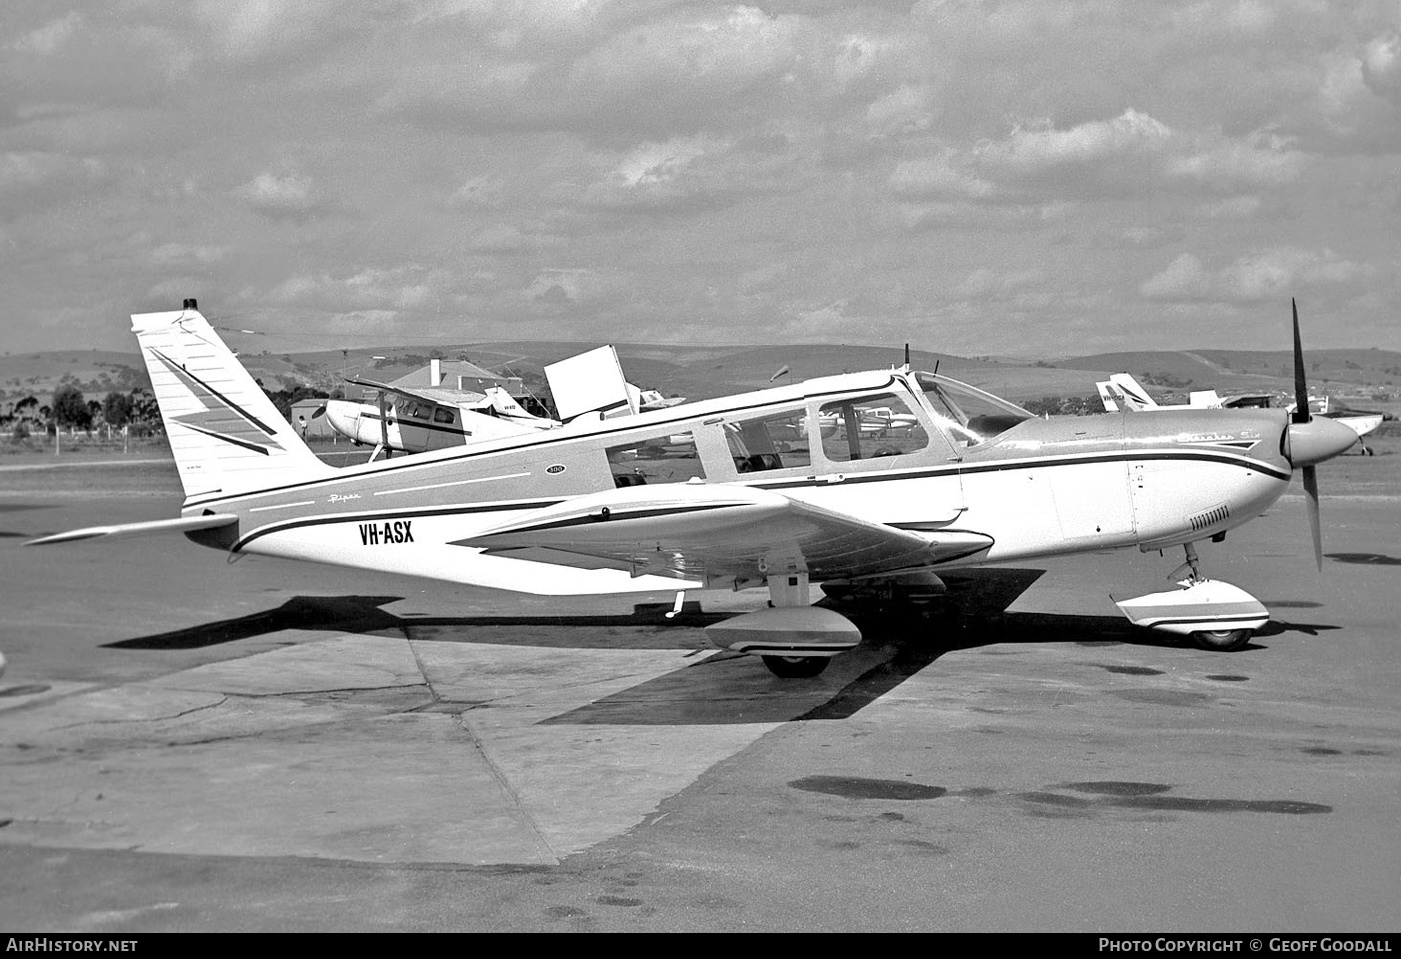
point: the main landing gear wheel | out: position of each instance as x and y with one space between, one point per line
796 667
1222 640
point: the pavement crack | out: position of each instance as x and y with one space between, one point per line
168 717
517 805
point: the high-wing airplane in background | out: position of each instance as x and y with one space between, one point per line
741 491
418 419
1122 391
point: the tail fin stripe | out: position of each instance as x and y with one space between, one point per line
188 378
226 438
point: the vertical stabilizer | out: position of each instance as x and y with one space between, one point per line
1131 393
1109 395
227 436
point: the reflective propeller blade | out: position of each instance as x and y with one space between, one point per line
1301 388
1311 493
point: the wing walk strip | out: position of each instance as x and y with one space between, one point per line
953 469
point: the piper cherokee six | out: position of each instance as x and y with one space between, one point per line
778 488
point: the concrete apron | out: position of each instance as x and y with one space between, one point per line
380 748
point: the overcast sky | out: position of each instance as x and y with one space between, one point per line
1028 178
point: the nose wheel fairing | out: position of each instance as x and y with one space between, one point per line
1208 607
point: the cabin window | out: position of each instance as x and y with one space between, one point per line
774 442
867 427
658 459
441 415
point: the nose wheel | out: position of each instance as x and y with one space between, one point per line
1222 640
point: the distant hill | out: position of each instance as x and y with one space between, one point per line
1350 372
700 372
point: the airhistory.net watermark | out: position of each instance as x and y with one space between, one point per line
54 944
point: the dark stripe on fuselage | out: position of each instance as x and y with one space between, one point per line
408 513
402 422
966 469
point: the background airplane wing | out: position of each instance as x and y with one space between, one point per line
445 397
716 531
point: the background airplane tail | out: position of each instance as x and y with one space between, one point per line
227 436
1134 396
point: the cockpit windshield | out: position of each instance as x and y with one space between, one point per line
970 415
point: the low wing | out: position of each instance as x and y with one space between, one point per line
182 524
718 532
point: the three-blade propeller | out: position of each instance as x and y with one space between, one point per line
1311 441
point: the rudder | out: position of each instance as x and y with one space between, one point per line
225 433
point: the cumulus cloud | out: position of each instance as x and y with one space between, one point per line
1381 66
31 180
1127 155
985 284
904 111
187 254
943 176
479 191
695 172
243 29
282 197
404 287
49 38
1227 164
502 238
1031 152
560 287
1266 275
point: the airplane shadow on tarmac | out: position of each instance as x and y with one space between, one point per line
364 614
897 645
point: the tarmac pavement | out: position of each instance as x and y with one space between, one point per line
187 744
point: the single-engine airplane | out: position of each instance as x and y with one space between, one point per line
418 419
703 495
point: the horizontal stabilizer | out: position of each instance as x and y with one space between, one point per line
182 524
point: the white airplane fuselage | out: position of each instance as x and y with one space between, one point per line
1034 487
417 427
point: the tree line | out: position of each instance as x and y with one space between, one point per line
134 409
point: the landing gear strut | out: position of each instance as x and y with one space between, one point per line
795 640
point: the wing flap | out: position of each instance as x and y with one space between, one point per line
697 531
